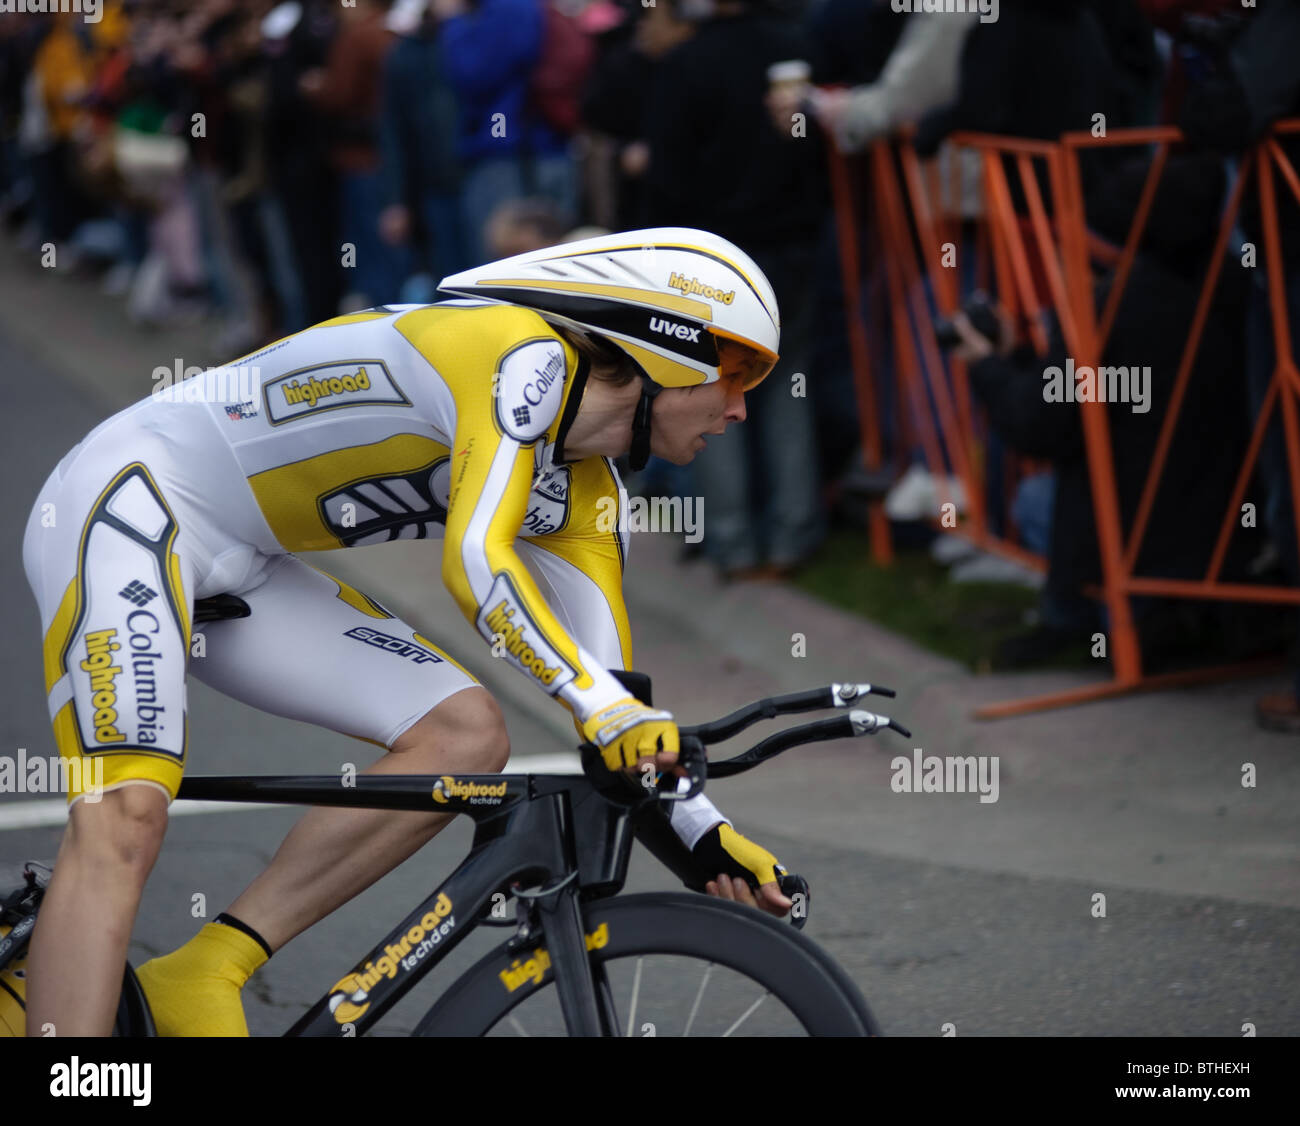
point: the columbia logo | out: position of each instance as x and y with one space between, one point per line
136 592
521 416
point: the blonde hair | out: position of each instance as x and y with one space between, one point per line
609 364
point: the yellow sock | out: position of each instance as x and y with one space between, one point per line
194 991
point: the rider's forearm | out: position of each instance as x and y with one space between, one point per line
511 615
692 818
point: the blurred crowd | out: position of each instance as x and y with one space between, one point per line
267 166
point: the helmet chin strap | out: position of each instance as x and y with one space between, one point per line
640 452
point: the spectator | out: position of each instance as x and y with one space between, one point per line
59 78
1043 68
852 40
1150 330
615 106
717 162
1256 84
520 225
920 74
260 241
152 158
490 52
303 182
347 90
418 123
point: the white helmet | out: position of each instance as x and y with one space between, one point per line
687 306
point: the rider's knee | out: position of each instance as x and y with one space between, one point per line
124 829
465 733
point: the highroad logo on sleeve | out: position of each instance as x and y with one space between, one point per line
515 636
327 387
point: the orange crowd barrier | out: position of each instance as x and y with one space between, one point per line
1035 261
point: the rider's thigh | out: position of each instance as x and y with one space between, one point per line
465 733
112 566
317 650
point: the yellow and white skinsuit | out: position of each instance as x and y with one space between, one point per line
401 422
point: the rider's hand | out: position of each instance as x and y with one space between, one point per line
741 865
627 732
769 898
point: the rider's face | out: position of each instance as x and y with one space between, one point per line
684 416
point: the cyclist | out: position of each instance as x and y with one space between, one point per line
491 418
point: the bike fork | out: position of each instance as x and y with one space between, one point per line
561 921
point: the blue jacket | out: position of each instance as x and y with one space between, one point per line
488 56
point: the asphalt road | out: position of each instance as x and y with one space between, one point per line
992 937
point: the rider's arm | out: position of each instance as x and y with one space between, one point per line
493 460
584 566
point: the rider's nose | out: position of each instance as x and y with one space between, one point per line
736 405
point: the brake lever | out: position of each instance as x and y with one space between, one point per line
691 758
795 887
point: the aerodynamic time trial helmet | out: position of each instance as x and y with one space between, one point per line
686 306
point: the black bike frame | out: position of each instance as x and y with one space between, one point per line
558 833
553 831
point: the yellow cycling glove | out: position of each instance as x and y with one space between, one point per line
627 730
723 850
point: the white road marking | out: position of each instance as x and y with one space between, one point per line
40 814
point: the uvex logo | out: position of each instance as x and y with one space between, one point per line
669 328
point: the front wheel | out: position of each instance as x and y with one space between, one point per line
666 964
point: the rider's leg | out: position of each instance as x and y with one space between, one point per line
327 858
316 650
107 853
110 566
333 854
